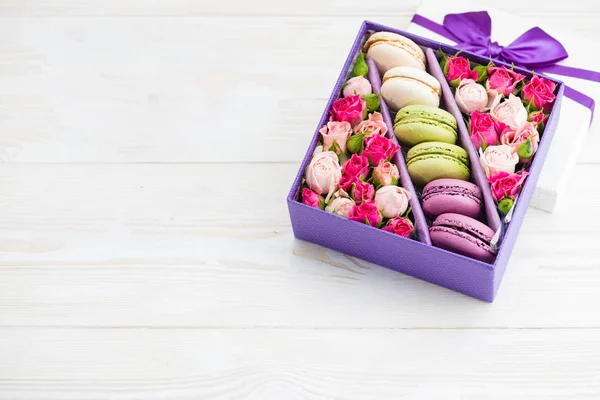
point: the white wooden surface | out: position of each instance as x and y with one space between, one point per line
145 246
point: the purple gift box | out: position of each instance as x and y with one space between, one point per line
417 257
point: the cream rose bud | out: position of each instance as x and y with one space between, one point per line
510 112
323 173
502 158
358 85
340 206
471 96
392 201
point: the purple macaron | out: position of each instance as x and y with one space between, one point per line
463 235
451 196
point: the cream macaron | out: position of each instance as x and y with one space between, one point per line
405 86
390 50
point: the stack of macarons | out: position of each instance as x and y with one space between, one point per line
402 63
435 163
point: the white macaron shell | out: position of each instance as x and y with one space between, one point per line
388 56
401 92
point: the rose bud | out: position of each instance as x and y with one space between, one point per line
399 226
483 131
458 68
360 66
525 150
357 166
340 205
357 86
366 213
392 201
335 136
503 80
373 125
525 132
356 143
373 101
312 199
537 118
540 92
379 148
351 109
471 96
511 112
505 205
504 184
362 191
385 174
323 173
497 159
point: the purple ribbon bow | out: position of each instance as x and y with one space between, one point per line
534 49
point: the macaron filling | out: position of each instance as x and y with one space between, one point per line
460 226
450 191
464 235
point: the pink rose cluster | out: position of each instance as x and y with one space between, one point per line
506 115
351 173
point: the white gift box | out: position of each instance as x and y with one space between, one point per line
574 122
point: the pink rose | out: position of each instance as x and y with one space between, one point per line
336 132
357 166
312 199
362 192
505 185
392 201
399 226
379 148
385 174
515 138
366 213
498 159
503 80
537 117
510 112
541 90
347 180
350 109
340 205
357 86
471 96
483 130
323 173
374 124
459 68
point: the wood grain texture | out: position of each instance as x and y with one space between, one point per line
195 246
299 364
164 90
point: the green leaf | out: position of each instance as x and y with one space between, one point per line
444 62
467 120
322 204
455 83
482 73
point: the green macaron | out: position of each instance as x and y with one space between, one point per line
436 160
419 123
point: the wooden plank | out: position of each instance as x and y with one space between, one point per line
168 89
196 246
299 364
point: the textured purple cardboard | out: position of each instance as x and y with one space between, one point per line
413 257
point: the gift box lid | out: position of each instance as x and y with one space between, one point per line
574 122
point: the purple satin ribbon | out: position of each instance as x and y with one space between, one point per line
534 49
